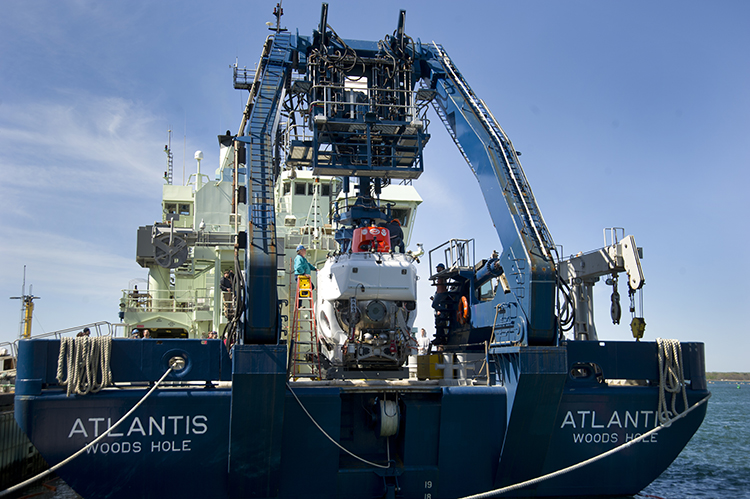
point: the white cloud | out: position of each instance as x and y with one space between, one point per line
80 143
79 174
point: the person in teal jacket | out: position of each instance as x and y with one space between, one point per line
301 265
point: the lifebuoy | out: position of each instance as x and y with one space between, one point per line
463 310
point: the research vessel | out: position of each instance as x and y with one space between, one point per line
529 401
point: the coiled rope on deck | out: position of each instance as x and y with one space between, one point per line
90 444
83 364
671 378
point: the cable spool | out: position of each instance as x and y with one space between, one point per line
389 417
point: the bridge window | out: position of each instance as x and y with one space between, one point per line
300 188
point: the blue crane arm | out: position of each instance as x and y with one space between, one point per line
528 248
260 319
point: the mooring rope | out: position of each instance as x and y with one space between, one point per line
331 438
671 378
83 364
90 444
510 488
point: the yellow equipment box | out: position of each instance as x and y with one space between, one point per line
426 366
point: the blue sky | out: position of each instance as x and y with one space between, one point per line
629 114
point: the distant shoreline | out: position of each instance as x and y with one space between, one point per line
728 376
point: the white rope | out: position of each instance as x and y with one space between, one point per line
671 378
89 445
389 415
331 438
83 364
510 488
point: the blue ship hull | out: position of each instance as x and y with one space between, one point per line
534 418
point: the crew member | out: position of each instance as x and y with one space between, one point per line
424 343
397 235
301 265
226 281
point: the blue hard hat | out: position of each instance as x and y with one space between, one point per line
440 266
300 247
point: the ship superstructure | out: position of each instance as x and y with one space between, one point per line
187 253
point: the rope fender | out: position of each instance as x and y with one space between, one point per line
83 364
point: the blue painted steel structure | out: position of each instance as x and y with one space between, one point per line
534 403
528 246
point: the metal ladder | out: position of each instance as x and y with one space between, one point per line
314 220
517 182
305 352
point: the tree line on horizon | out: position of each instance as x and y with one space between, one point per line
728 376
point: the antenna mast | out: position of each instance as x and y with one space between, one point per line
27 308
278 12
169 174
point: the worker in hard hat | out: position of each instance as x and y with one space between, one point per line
301 265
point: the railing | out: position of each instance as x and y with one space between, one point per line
102 328
325 241
168 300
457 253
352 101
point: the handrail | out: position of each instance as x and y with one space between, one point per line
459 253
95 327
374 98
167 300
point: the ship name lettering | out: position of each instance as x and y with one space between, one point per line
171 446
595 438
647 440
160 425
589 419
114 448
